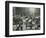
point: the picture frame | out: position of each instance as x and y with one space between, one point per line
13 9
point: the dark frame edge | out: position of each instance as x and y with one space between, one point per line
26 35
6 19
44 18
25 2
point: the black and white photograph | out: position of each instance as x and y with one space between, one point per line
24 18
